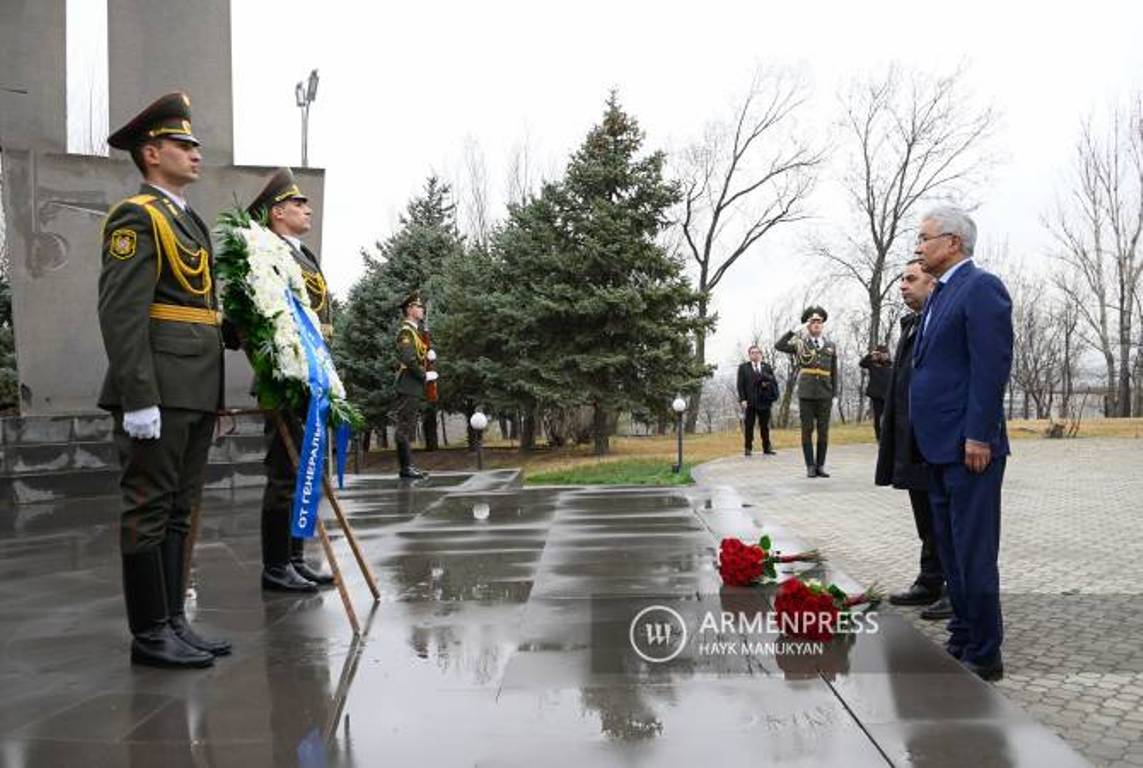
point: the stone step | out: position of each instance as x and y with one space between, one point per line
37 430
39 458
47 458
88 483
96 428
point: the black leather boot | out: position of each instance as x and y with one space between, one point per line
298 560
405 459
278 575
154 642
174 549
808 455
821 457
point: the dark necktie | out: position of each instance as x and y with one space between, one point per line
930 305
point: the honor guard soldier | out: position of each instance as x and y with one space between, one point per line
283 207
161 329
410 383
816 359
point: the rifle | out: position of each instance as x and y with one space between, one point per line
431 392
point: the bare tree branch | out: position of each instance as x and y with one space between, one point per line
1097 228
912 140
745 178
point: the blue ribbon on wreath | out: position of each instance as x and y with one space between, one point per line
311 453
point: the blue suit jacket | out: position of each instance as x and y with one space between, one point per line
961 364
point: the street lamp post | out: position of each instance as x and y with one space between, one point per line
680 407
304 94
478 422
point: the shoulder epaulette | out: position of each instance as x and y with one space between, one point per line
141 199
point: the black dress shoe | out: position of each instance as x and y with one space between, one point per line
811 471
309 574
917 594
770 452
987 672
941 609
412 473
822 472
185 633
283 578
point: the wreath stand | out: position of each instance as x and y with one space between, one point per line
326 545
323 535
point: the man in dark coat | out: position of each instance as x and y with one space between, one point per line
962 360
898 462
878 364
757 391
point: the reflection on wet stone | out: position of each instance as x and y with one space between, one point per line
506 619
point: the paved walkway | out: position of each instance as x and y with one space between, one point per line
1071 569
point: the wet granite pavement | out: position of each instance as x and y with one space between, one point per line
503 637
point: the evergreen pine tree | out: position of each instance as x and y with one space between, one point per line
411 259
602 312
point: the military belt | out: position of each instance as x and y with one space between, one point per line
816 371
177 314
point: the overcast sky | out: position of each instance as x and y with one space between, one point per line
406 87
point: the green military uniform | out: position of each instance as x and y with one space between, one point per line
816 359
159 317
284 566
410 388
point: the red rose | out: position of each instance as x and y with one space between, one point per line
803 612
739 564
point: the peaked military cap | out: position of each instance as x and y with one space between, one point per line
412 298
809 312
167 118
280 188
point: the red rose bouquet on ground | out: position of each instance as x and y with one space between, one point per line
742 564
814 610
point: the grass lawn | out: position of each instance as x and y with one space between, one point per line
648 460
615 472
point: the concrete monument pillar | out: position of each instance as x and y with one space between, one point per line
54 203
33 78
158 46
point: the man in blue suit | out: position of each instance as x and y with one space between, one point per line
961 363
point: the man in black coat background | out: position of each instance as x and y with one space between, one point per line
899 463
879 365
757 391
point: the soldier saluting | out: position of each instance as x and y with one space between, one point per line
161 330
816 358
286 211
410 383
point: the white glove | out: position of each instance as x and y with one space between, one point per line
431 376
431 356
144 424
